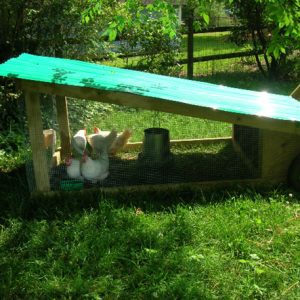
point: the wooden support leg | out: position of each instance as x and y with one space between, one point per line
35 125
63 123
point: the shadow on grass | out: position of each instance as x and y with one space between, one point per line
116 253
14 192
111 250
16 201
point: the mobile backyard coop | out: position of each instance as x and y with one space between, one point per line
263 145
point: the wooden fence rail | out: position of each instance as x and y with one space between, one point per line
220 56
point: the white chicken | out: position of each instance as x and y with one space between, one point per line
104 138
120 141
116 141
78 143
73 168
97 169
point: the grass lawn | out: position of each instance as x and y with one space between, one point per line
185 245
181 127
251 80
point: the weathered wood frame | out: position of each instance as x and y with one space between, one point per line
284 133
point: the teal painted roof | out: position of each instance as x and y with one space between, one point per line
78 73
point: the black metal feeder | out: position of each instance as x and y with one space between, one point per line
156 147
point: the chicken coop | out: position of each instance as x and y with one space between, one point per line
156 131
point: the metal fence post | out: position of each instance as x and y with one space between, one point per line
190 48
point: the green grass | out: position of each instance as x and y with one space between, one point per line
252 80
181 127
189 246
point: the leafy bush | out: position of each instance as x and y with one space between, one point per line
82 112
272 27
152 31
11 108
14 150
11 141
41 27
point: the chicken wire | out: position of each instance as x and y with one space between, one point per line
194 150
226 67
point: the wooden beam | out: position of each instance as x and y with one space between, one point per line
63 123
219 56
50 139
296 93
185 142
173 143
195 186
35 126
50 145
139 101
56 159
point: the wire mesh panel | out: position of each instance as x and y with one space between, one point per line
148 148
216 52
227 67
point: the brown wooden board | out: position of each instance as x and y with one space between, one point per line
277 151
63 123
35 127
133 100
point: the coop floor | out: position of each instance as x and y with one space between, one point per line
187 164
